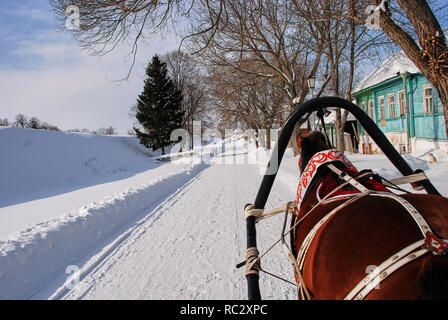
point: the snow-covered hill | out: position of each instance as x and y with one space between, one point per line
62 193
38 163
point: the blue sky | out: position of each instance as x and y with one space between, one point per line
20 21
43 73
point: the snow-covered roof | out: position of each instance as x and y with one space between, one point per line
330 119
399 63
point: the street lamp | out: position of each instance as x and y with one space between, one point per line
311 81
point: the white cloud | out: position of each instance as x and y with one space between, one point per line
28 13
63 85
33 13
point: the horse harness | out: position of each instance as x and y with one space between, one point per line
429 243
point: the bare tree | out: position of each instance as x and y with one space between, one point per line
34 123
47 126
263 32
191 80
339 25
249 102
292 40
109 131
4 122
21 121
429 51
106 23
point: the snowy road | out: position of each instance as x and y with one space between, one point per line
163 231
187 247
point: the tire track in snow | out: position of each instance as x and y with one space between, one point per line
189 247
91 263
189 253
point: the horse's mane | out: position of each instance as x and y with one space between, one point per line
311 145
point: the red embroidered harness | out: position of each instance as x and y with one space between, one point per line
328 183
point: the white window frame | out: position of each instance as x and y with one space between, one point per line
391 105
363 106
402 102
382 107
428 101
370 108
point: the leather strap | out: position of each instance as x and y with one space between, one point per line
392 264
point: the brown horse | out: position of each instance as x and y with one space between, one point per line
364 234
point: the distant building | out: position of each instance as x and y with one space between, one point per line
350 131
404 105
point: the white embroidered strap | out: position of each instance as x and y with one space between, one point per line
373 279
310 171
348 178
399 259
383 275
418 218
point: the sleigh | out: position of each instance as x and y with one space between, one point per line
351 220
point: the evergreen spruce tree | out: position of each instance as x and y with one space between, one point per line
158 107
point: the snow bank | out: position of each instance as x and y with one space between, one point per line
423 153
36 164
51 166
289 173
36 254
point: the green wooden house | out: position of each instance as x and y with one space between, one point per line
404 105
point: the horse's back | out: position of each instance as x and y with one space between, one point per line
364 234
434 209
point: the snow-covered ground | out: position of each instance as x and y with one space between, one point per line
91 217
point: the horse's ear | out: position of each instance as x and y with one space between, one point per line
302 135
299 141
321 140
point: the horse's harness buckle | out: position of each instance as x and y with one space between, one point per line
436 245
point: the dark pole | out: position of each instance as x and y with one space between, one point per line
253 288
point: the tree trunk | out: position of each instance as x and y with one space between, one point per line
431 57
340 142
339 123
304 92
348 94
268 138
257 145
352 50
